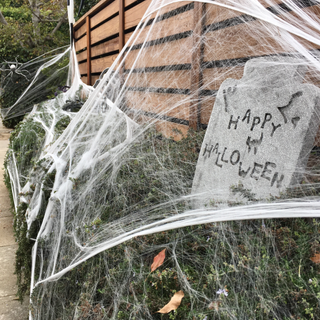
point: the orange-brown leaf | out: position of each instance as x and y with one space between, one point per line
174 303
158 260
316 258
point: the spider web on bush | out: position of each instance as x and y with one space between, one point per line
100 192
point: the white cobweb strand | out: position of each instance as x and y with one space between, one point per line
95 145
292 209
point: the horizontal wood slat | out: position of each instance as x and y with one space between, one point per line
170 7
173 25
179 79
178 52
83 68
106 30
82 56
98 65
106 47
81 44
80 32
134 15
93 11
105 13
176 105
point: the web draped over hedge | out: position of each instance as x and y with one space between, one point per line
99 192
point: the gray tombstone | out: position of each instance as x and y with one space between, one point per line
260 133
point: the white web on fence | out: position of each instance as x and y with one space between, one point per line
103 196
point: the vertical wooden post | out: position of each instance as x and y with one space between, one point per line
196 59
121 36
121 24
88 51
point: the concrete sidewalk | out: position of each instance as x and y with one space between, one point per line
10 307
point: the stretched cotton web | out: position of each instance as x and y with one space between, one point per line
117 186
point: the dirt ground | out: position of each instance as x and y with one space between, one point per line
10 307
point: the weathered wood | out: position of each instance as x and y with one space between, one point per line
127 36
80 32
105 47
212 78
196 72
105 30
169 129
238 42
94 79
129 2
81 44
88 52
97 8
170 7
173 25
207 103
176 104
169 53
179 79
105 13
134 15
83 68
121 24
82 56
98 65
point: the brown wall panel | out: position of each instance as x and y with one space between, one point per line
98 65
134 15
213 77
81 31
94 79
207 104
83 68
109 46
169 53
176 105
82 56
105 30
216 13
238 42
176 24
81 44
105 13
168 79
170 7
128 2
168 129
127 37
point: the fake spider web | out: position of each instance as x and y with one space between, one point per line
102 191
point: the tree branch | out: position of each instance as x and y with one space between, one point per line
2 19
61 21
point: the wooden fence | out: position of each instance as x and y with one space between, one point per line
102 32
178 61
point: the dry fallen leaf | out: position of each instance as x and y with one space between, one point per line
316 258
214 305
158 260
174 303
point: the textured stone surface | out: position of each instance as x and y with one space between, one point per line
11 309
260 133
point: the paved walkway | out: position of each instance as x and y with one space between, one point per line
10 307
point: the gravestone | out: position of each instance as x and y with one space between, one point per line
261 131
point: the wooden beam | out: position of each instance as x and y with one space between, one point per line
98 7
88 51
196 72
121 24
